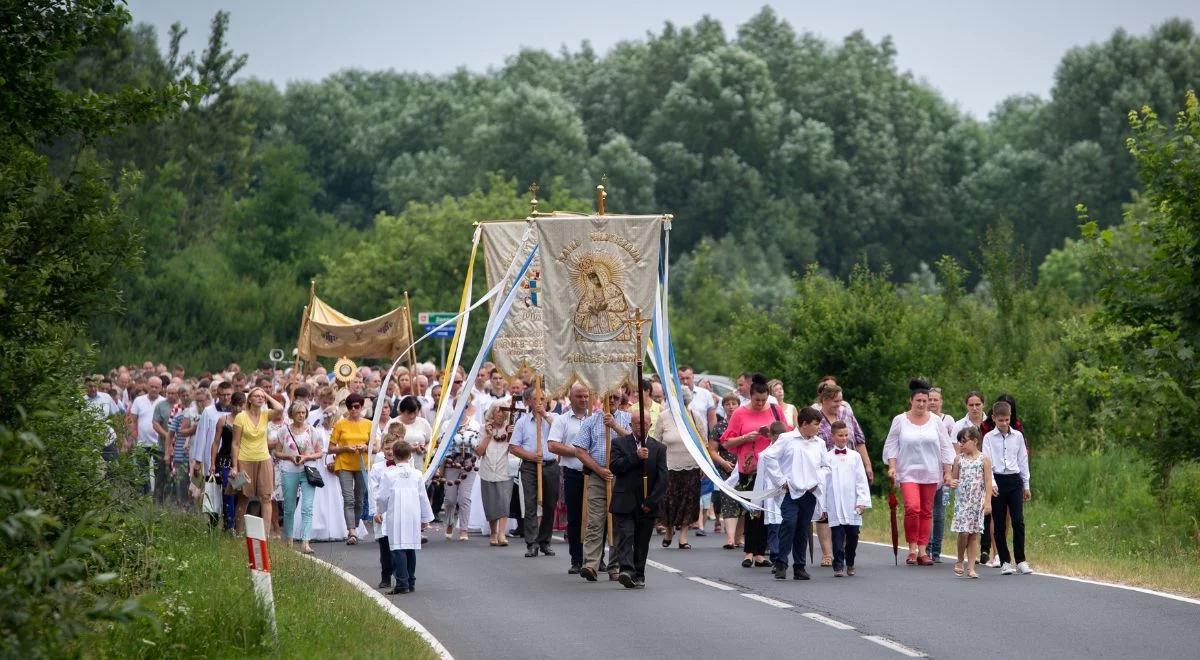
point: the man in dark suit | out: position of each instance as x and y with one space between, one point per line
635 500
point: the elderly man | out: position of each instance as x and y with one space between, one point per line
562 442
639 465
141 418
590 449
106 409
524 445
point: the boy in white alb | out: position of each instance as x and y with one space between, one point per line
802 469
402 507
847 494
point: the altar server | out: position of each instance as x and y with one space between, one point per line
404 513
847 494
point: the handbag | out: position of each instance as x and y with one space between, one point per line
313 476
212 496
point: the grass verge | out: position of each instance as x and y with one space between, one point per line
204 606
1095 516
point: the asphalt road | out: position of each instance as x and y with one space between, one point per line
484 602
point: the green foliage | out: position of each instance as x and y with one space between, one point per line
204 605
1138 351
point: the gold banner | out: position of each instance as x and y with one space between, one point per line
329 333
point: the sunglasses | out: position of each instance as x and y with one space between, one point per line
355 406
458 382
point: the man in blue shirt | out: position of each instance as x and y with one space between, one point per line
590 449
524 446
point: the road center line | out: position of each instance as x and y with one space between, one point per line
832 623
714 585
662 567
895 646
769 601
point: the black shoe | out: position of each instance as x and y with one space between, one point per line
780 572
626 580
588 574
800 574
399 590
983 558
385 584
747 563
547 551
531 551
640 582
762 564
412 588
574 570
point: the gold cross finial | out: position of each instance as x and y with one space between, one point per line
533 200
601 194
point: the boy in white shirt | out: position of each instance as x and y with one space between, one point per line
1005 448
802 469
847 494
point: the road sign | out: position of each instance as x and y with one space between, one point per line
444 333
432 319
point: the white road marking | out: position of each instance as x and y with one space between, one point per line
714 585
1126 587
662 567
832 623
895 646
769 601
388 606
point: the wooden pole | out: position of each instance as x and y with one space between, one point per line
312 293
412 352
537 423
638 322
608 484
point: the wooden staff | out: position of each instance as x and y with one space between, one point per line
537 423
608 484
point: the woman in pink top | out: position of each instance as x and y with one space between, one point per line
919 454
746 437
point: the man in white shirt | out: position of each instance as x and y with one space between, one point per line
141 417
703 405
106 409
562 438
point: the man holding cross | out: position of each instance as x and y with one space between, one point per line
539 472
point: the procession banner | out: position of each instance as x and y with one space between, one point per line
522 338
329 333
596 271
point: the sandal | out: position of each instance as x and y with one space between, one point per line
685 546
827 561
729 546
666 543
958 568
462 537
973 575
352 540
912 559
493 543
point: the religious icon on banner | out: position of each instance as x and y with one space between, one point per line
598 282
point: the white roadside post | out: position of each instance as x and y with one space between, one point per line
260 566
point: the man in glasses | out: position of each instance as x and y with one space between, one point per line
590 449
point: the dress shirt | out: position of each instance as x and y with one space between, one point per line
1007 453
591 433
525 437
802 465
564 430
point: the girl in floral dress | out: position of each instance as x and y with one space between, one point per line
973 479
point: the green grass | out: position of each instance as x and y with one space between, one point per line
204 606
1097 515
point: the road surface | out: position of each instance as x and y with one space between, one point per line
485 602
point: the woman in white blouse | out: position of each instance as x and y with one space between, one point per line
919 455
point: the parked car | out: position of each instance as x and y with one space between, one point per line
721 385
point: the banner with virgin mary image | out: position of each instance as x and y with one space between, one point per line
597 273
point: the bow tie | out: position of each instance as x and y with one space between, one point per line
389 463
839 451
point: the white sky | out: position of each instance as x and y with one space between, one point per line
976 53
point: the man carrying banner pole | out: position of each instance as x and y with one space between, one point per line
594 448
539 473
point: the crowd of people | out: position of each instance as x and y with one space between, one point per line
302 449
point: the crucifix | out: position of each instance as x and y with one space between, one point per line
637 321
512 411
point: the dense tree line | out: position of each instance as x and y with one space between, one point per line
780 147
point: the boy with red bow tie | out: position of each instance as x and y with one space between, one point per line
847 494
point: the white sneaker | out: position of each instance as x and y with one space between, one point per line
1007 569
1024 569
994 562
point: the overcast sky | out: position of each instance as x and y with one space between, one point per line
976 53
